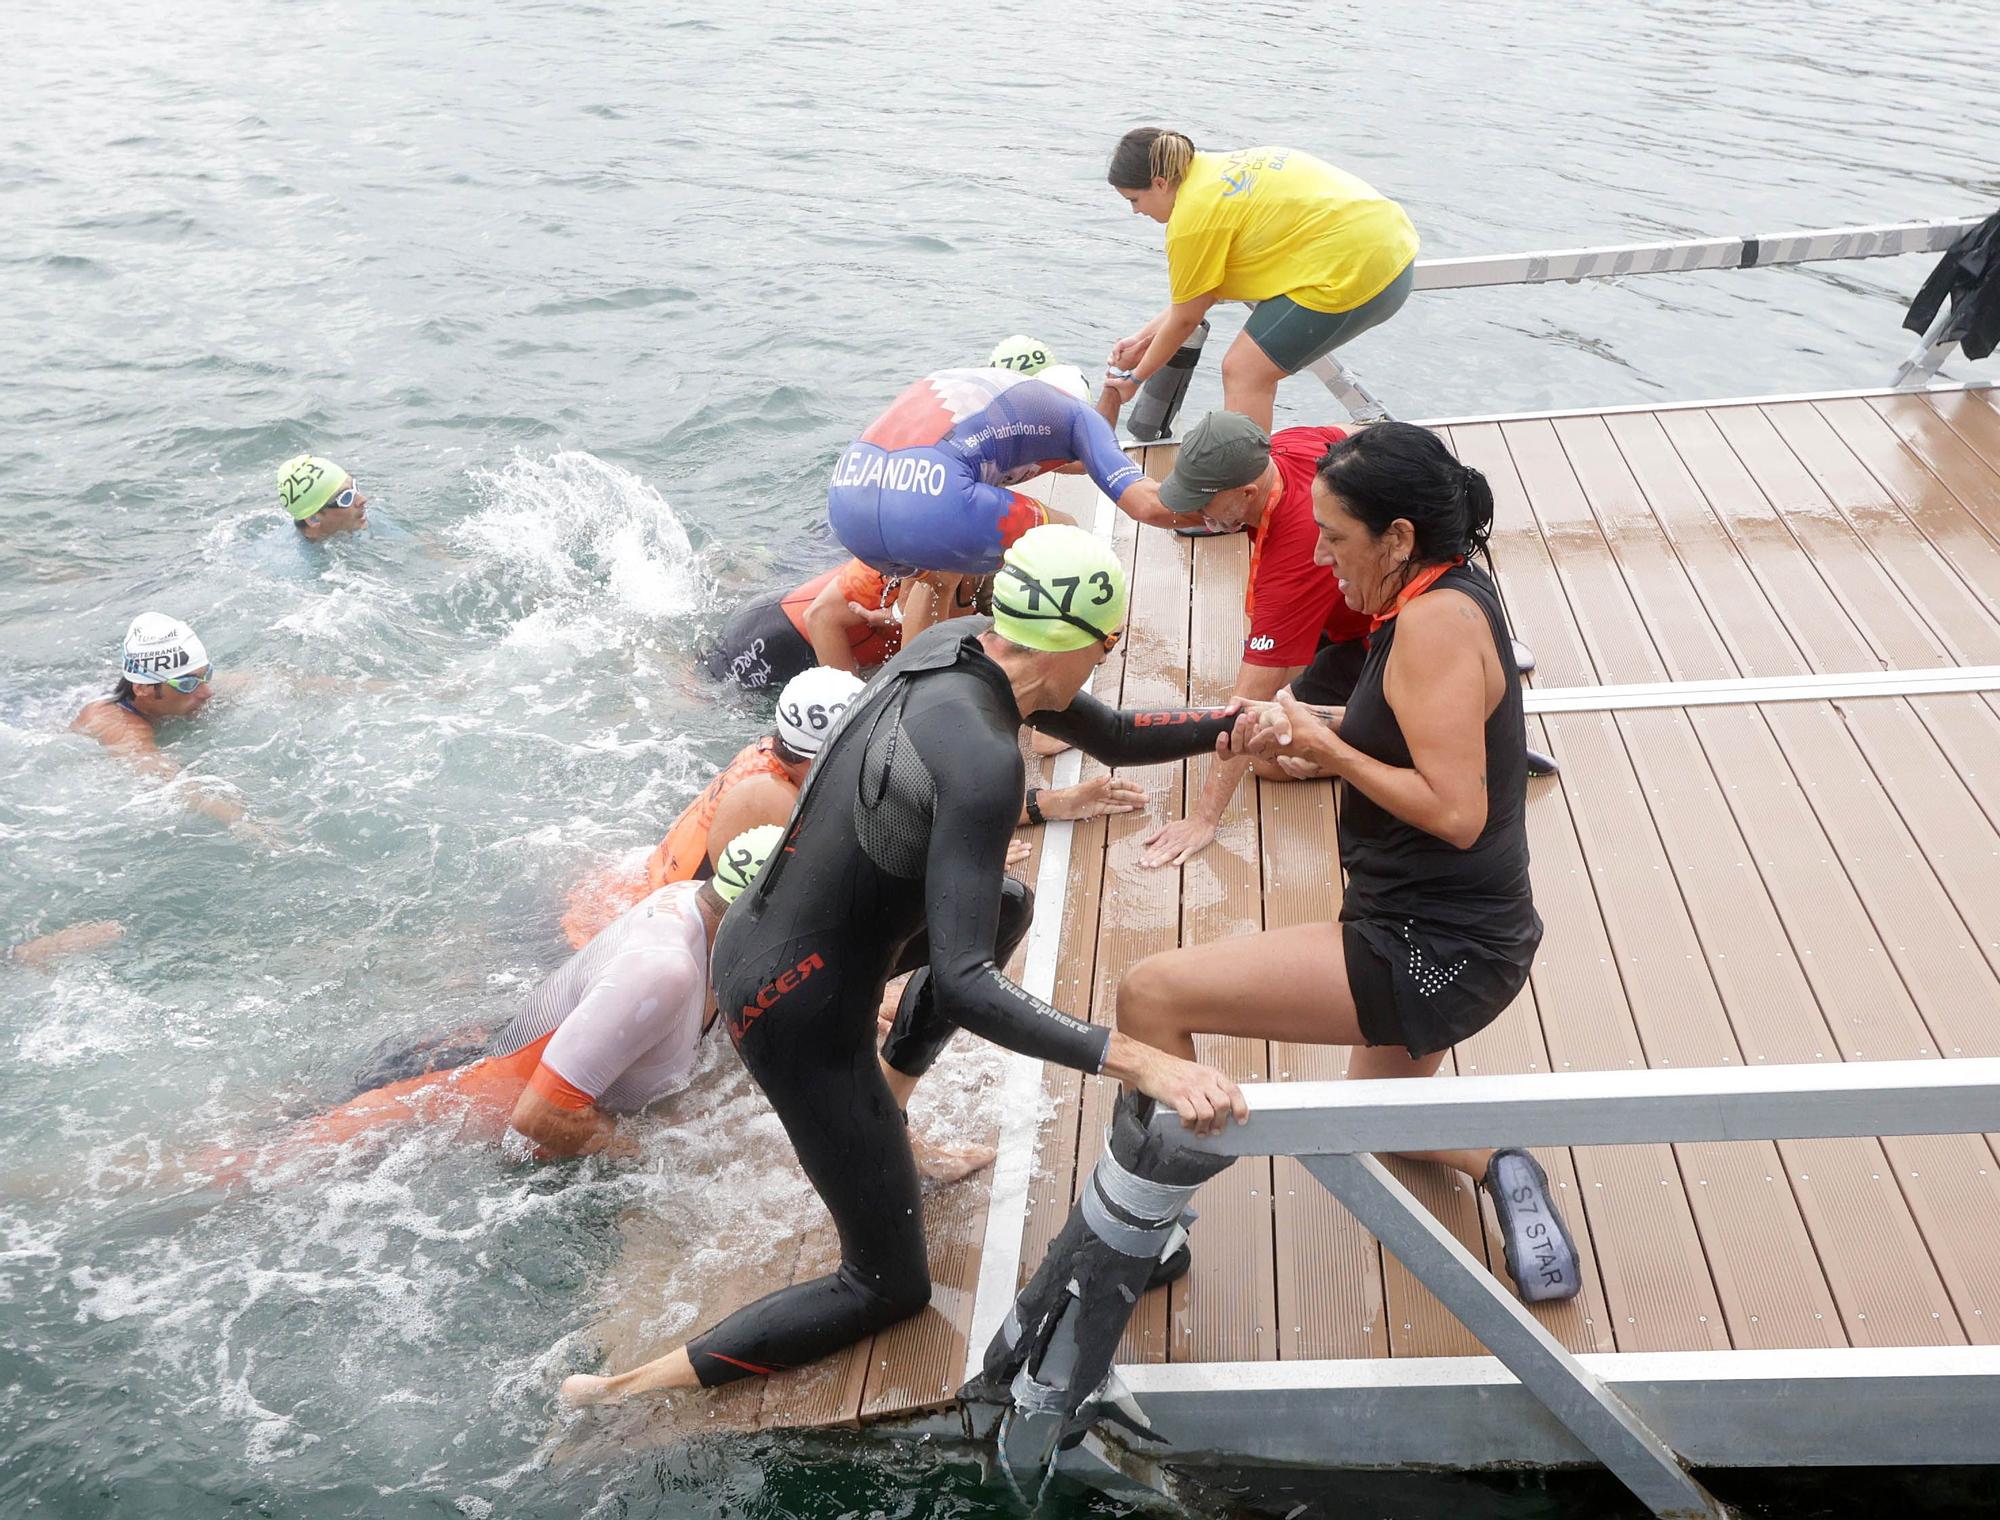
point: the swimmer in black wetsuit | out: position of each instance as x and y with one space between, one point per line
892 861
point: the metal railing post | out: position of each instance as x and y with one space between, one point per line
1362 404
1586 1408
1928 357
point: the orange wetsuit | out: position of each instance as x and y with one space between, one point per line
681 856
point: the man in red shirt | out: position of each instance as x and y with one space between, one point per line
1235 476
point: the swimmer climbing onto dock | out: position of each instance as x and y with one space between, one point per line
892 862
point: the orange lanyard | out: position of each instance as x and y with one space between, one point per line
1421 582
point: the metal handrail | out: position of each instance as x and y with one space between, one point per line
1333 1128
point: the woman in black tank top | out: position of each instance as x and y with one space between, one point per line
1438 927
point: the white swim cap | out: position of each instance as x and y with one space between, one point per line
811 704
1022 354
1066 378
158 646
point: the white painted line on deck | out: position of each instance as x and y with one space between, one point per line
1939 681
1021 1088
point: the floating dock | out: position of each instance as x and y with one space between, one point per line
1768 644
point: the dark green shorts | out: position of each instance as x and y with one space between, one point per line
1293 336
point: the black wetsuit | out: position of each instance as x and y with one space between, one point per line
1438 940
758 647
894 859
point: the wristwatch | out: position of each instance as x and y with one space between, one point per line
1032 802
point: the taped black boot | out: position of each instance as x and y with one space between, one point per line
1052 1355
1541 1257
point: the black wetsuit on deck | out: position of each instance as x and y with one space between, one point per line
894 859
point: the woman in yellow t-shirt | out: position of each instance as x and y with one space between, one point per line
1319 253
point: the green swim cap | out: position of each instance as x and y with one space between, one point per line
307 483
1059 587
1022 354
742 858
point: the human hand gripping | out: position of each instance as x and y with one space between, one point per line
1203 1097
1302 744
875 617
1127 352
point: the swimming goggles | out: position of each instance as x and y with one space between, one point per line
1042 594
190 683
344 499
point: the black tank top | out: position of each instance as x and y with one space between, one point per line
1400 873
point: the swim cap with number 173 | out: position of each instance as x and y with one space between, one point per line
1059 587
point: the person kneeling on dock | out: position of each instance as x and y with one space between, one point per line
893 862
1437 927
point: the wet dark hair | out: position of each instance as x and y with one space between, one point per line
1148 153
1397 469
124 691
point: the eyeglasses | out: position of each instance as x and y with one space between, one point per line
191 683
1058 608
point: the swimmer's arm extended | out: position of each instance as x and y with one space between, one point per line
1128 737
149 761
978 796
1095 446
560 1132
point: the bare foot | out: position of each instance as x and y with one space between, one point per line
950 1163
583 1390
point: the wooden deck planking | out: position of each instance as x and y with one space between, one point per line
1225 1308
1656 1279
1331 1299
1973 418
1140 910
1789 883
1765 968
1767 1270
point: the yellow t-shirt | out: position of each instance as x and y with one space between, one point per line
1265 222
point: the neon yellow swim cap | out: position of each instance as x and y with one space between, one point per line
307 483
742 858
1059 587
1022 354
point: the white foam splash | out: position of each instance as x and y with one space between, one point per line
592 549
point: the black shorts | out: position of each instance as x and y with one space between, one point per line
1329 680
1425 992
758 647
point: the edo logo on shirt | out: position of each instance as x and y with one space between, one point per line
1263 643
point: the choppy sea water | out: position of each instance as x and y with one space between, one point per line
589 296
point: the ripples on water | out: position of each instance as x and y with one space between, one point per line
590 300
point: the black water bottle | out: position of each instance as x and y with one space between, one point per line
1159 399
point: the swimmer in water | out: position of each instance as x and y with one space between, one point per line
849 618
166 673
321 497
610 1032
892 862
928 486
